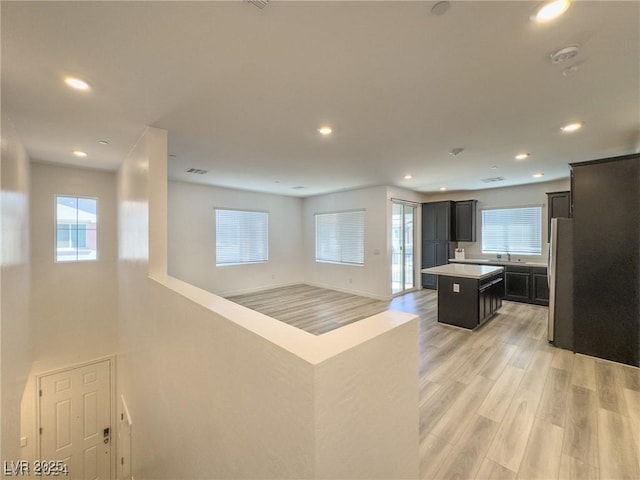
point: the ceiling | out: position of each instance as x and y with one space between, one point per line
242 90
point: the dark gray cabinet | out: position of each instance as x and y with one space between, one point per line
539 286
558 206
517 284
465 221
606 258
526 284
437 237
471 302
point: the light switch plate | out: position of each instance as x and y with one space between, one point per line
456 288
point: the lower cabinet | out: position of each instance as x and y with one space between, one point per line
517 284
526 284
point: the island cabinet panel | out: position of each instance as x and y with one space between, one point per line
468 302
606 258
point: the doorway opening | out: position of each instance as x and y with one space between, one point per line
403 216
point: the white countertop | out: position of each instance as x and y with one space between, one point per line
464 270
482 261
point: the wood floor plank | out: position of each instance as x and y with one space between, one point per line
552 406
524 353
510 442
496 364
618 457
563 359
632 398
427 389
631 376
433 452
573 469
608 387
499 397
476 362
584 373
581 425
437 405
467 455
541 459
490 470
461 411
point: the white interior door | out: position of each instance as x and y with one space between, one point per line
75 420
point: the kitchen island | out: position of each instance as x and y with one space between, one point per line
468 295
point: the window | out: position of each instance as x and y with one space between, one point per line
76 229
241 237
512 230
340 237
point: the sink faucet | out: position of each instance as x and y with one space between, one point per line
508 257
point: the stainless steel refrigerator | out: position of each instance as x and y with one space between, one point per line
560 277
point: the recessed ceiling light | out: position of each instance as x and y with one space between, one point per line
522 156
572 127
443 188
76 83
547 11
80 153
538 175
408 176
325 130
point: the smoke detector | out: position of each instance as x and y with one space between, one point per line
197 171
492 179
564 54
456 151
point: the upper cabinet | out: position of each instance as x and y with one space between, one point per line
465 224
559 206
437 221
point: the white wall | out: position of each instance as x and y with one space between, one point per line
192 238
15 285
219 391
521 195
373 279
74 304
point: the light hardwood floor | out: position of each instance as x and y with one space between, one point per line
498 402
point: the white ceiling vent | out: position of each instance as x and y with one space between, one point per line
258 3
564 54
197 170
493 179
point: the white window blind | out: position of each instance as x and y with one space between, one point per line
340 237
241 237
512 230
